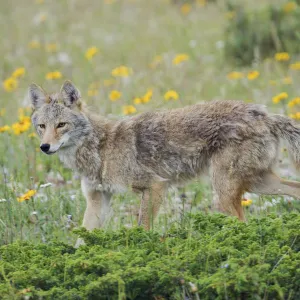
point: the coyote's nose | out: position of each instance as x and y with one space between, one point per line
45 147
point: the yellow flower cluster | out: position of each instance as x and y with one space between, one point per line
115 95
34 44
91 52
11 83
282 96
294 102
185 8
4 128
53 75
26 196
235 75
295 66
171 95
22 125
246 202
121 71
295 116
52 47
144 99
179 58
289 6
19 72
129 110
282 56
252 75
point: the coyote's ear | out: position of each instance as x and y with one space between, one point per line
70 94
37 96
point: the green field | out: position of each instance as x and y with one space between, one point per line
126 57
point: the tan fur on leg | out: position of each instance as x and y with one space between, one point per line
271 184
150 204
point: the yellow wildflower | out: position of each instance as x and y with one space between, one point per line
235 75
52 47
26 196
91 52
53 75
4 128
115 95
156 61
24 119
121 71
246 202
252 75
109 82
10 84
147 97
171 95
185 8
295 66
179 58
287 80
276 99
293 102
137 100
34 44
93 92
297 115
18 73
282 56
129 109
289 6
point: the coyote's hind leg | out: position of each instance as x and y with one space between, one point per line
271 184
228 190
150 203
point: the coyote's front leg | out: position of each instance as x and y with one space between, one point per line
97 207
150 203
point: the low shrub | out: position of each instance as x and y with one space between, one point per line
256 35
211 257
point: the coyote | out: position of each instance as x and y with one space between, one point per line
237 141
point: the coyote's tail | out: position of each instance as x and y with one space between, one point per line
290 132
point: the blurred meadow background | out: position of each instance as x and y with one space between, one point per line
129 57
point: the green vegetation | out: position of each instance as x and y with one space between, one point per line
255 34
209 257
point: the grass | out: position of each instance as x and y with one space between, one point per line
145 36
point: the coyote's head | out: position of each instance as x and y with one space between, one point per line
58 118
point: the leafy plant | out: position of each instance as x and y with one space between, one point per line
215 257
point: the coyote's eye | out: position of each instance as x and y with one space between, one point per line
42 126
60 125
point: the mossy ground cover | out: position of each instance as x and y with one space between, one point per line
208 257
